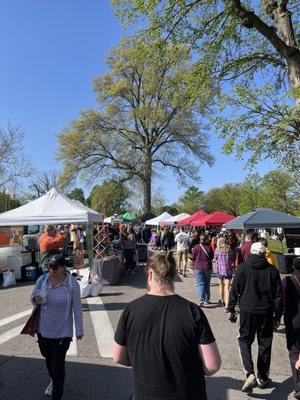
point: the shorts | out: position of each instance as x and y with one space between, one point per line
221 277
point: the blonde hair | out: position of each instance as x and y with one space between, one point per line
163 265
223 245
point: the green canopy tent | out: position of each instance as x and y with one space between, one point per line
128 217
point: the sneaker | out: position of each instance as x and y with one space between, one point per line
184 274
48 391
250 383
262 383
201 303
207 303
221 303
180 273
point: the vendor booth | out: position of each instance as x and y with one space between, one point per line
263 218
174 220
187 221
268 218
157 220
57 209
216 218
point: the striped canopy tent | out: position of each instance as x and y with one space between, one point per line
174 220
216 218
187 221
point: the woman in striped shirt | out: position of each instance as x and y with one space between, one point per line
57 295
224 257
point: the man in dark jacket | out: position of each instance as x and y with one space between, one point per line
257 287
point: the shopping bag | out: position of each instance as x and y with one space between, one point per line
31 325
9 278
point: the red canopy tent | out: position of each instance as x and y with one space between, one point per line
187 221
216 218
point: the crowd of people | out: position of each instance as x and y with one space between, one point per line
166 339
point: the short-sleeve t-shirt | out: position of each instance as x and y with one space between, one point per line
162 334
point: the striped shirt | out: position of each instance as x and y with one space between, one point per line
56 315
224 260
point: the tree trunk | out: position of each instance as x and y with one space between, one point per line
147 194
147 183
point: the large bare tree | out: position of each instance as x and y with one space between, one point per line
14 164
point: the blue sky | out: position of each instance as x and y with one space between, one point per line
50 51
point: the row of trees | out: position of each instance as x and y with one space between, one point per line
276 190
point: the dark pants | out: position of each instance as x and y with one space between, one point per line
129 259
262 326
167 247
293 345
54 351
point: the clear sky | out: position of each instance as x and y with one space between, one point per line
50 51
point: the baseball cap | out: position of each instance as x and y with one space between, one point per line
57 261
257 248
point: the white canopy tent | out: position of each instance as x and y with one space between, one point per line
52 208
113 218
176 218
157 220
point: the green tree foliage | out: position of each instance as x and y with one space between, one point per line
251 194
7 202
109 198
275 190
226 199
77 194
279 192
250 51
191 201
145 123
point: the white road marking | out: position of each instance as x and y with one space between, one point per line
102 326
10 334
14 317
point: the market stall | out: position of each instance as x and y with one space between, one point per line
176 219
217 218
157 220
55 208
187 221
268 218
263 218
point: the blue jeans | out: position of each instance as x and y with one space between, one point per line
202 278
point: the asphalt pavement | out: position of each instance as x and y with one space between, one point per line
90 372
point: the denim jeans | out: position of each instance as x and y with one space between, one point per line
202 278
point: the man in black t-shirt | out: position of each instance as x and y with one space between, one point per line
166 339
